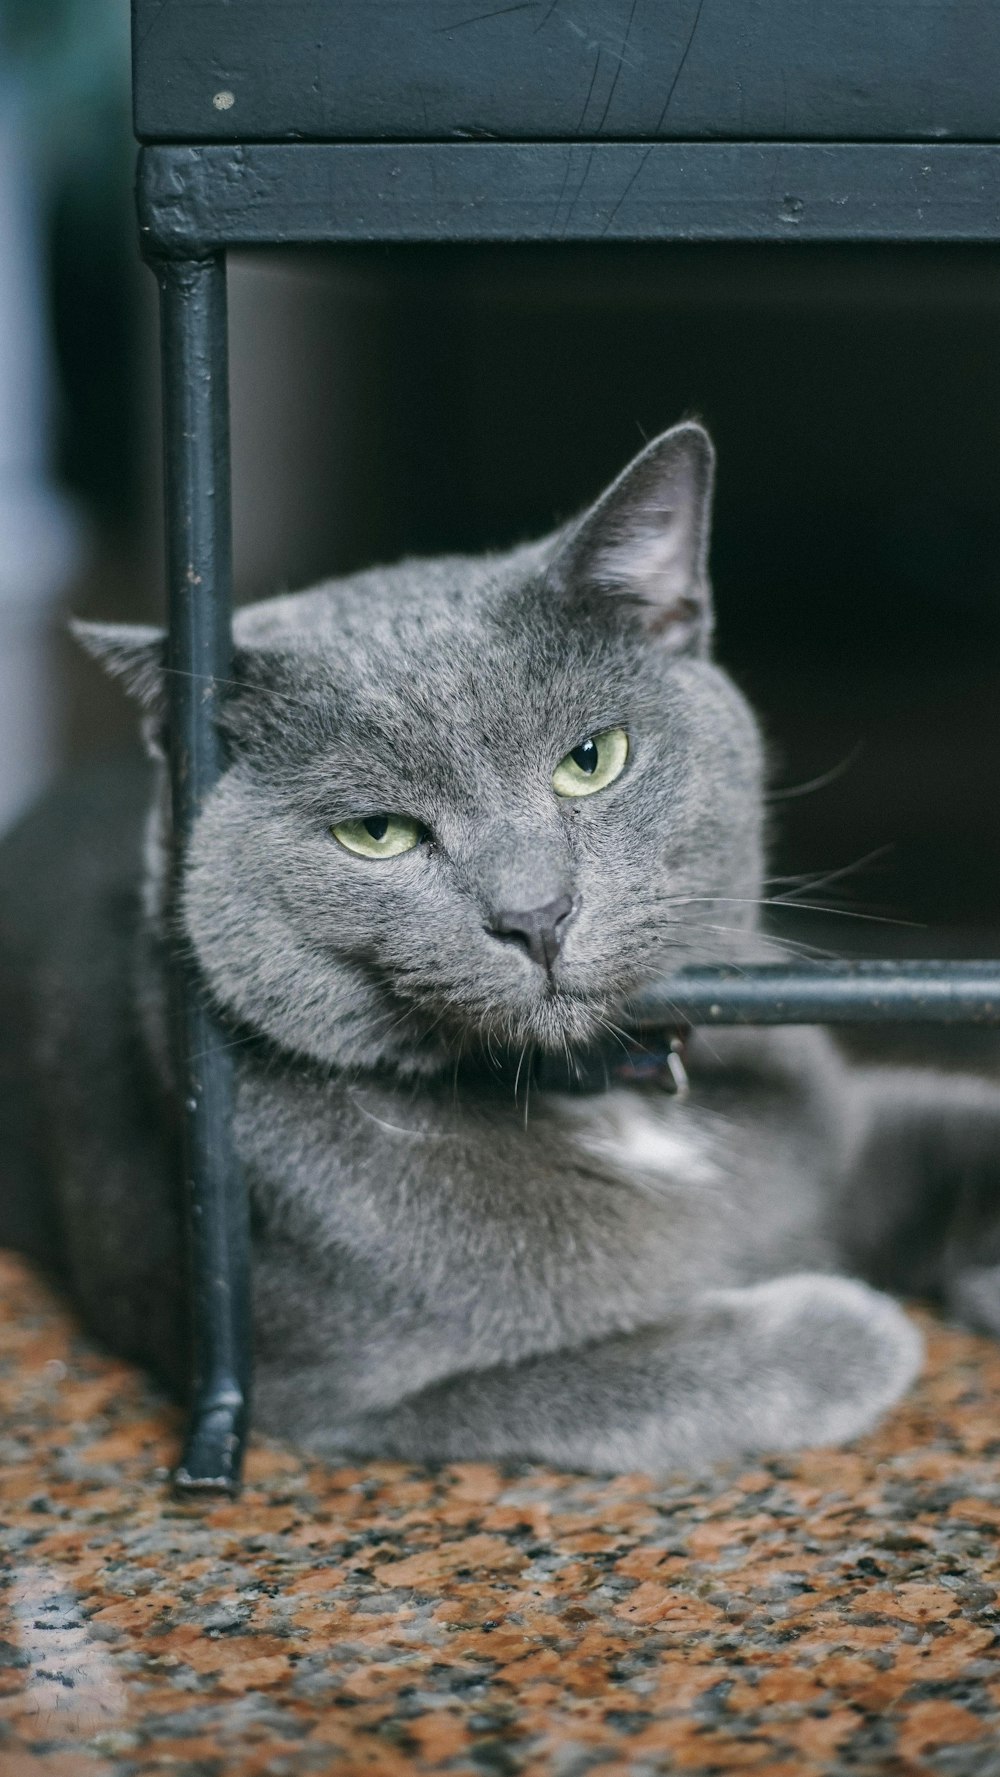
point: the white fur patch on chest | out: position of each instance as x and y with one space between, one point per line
640 1136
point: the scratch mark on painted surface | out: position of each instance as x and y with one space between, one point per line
592 40
151 23
562 192
621 60
578 193
628 186
586 102
678 71
541 26
481 17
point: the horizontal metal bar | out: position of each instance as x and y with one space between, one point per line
825 993
197 199
445 70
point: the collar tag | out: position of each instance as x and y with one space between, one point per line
660 1065
676 1068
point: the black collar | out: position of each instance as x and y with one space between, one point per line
656 1060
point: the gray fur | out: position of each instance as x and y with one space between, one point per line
447 1263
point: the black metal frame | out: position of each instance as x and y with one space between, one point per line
199 653
195 202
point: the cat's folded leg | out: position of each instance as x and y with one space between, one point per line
799 1360
922 1210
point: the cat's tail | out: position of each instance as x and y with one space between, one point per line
27 1210
921 1213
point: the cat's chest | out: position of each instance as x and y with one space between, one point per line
644 1138
489 1233
621 1181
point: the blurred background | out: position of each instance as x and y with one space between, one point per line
391 401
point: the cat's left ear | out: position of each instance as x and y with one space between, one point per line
646 540
135 654
132 652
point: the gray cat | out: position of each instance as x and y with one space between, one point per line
472 805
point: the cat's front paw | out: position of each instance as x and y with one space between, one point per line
838 1354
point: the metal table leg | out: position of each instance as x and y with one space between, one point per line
199 656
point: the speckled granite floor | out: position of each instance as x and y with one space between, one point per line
832 1613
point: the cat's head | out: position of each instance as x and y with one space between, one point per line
477 801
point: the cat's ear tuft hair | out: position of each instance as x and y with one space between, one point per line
132 652
646 540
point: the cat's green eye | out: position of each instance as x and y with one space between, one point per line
379 835
592 765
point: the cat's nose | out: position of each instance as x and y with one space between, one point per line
541 929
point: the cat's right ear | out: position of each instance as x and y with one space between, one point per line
135 653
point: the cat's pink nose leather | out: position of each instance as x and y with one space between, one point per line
541 929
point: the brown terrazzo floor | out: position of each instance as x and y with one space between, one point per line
834 1613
